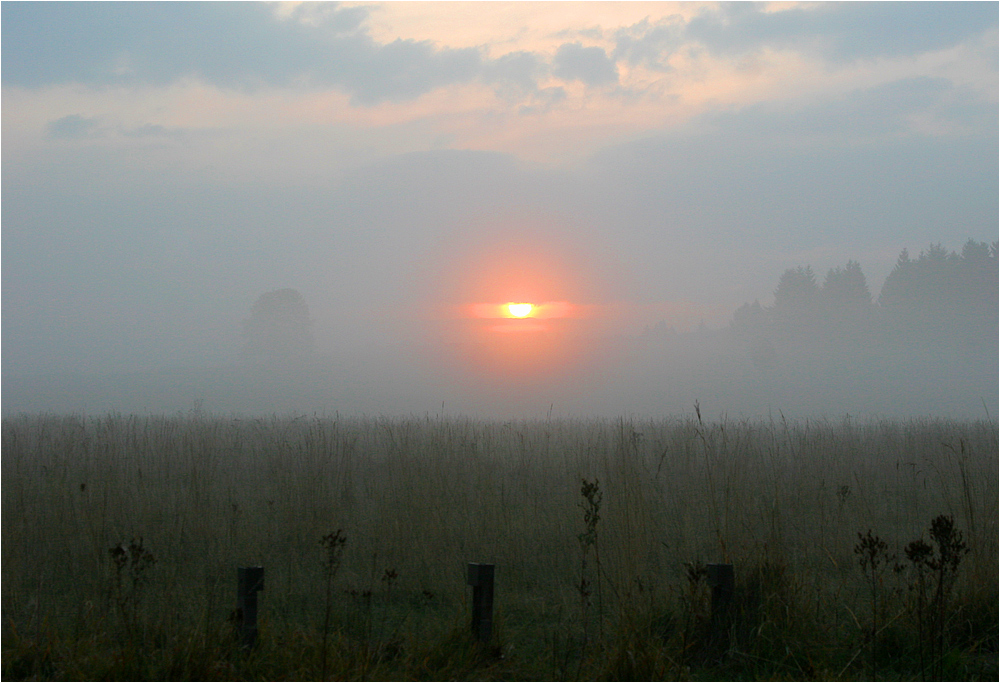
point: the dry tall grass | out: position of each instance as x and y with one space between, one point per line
783 502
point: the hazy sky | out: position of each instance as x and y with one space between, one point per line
165 164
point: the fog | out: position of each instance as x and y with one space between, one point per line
715 202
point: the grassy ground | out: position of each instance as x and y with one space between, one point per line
122 535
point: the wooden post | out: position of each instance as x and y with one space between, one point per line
481 579
721 579
250 580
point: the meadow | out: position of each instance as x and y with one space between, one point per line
862 548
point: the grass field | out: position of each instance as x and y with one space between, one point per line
122 536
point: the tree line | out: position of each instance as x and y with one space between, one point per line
939 298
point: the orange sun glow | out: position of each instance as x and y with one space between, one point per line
517 303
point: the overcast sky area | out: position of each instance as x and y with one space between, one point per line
649 166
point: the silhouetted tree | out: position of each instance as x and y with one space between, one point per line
940 278
943 293
796 300
796 289
898 286
846 301
750 320
279 326
847 286
980 272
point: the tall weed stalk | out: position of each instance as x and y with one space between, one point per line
591 505
334 544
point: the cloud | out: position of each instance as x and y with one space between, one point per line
250 47
331 16
588 64
401 70
72 127
515 74
842 31
649 44
230 45
77 127
152 130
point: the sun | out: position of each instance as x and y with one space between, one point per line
520 310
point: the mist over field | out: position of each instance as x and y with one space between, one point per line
257 209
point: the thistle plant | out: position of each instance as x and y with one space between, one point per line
935 568
692 600
874 558
134 562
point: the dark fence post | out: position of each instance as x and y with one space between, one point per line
250 580
721 579
481 579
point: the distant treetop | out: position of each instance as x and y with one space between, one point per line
279 326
